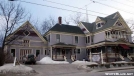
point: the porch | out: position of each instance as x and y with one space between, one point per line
62 51
112 52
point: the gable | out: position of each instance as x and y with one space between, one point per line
27 30
97 19
122 21
83 28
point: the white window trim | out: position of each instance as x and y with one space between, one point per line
57 39
78 39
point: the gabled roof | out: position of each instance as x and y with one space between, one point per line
30 25
109 23
66 28
89 26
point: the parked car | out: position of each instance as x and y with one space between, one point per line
29 58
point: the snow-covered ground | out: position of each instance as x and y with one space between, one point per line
84 63
18 69
48 60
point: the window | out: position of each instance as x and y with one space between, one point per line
45 52
13 52
99 25
48 38
92 39
58 37
88 39
118 23
76 39
26 42
78 51
26 33
37 52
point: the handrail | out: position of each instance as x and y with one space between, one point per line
65 58
129 57
122 58
72 58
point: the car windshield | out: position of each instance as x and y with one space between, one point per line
30 56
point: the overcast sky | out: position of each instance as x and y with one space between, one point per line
41 12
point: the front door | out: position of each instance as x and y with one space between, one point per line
125 53
68 53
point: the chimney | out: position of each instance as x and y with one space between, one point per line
60 20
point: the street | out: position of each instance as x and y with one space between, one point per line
69 70
72 70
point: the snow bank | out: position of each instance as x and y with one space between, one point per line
48 60
84 63
18 69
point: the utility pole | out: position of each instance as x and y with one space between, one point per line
86 14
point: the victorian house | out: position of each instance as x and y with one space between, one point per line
109 35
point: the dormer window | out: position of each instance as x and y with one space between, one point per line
99 25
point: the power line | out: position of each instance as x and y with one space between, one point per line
74 7
60 8
55 7
111 7
123 3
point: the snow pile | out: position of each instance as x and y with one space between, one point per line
48 60
84 63
18 69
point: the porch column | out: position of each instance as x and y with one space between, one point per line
51 52
106 53
102 57
90 56
115 53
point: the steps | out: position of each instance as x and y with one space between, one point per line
127 59
69 60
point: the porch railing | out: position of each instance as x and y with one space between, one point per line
58 57
129 57
132 54
73 58
65 58
122 58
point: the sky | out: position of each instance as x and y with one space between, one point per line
41 12
124 7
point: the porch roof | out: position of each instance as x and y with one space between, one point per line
116 43
63 45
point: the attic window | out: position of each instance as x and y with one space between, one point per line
26 33
118 23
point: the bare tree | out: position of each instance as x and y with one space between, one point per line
13 15
77 18
130 23
47 24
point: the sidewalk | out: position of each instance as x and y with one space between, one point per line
113 69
